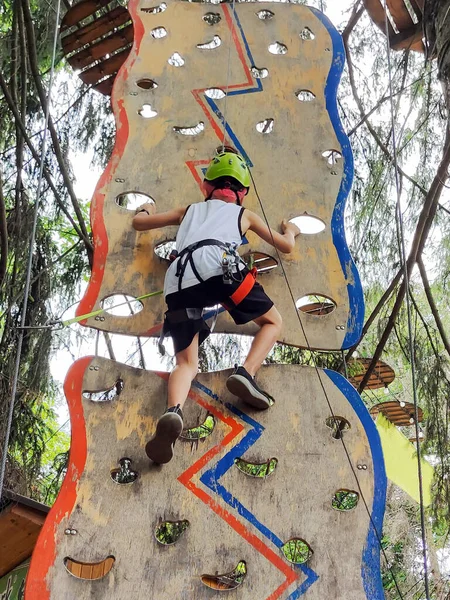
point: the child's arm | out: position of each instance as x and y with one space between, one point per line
284 242
147 218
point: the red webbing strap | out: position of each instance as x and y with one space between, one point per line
245 288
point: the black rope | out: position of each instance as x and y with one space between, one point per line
280 260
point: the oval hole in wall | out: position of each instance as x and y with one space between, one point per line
121 305
264 263
265 126
158 33
261 470
297 551
278 48
337 425
169 532
107 395
124 475
316 305
345 500
133 200
307 34
154 10
215 93
146 84
226 581
89 571
200 432
164 249
212 18
176 60
211 44
305 95
332 157
308 224
265 15
259 73
194 130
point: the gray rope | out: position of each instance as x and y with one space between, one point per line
30 260
402 249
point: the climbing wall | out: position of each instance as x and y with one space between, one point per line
274 505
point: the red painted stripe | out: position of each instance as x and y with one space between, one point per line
45 550
186 479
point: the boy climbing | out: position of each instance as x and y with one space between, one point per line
208 271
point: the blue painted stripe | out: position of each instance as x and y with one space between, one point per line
211 479
370 570
354 289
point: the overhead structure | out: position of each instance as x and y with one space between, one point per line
381 376
404 22
260 503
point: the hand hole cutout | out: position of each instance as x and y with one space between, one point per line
133 200
194 130
265 126
124 475
261 470
265 15
147 84
164 250
89 571
308 224
259 73
345 500
226 581
316 305
332 156
212 18
199 432
121 305
278 48
305 95
215 93
264 263
176 60
154 10
169 532
338 425
307 34
211 45
147 112
108 395
297 551
158 33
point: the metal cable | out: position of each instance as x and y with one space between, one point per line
402 249
30 258
322 385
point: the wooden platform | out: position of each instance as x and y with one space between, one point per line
404 24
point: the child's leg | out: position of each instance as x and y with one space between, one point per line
262 344
185 370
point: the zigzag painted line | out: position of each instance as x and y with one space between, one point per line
212 478
186 478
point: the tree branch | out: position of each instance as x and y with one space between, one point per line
3 235
433 307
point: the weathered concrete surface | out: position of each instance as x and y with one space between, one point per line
232 516
291 174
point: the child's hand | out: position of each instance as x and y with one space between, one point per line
148 207
288 227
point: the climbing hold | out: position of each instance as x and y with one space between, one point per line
147 111
278 48
259 73
307 34
265 126
305 95
227 581
212 18
265 15
194 130
158 33
154 10
200 432
211 45
297 551
176 60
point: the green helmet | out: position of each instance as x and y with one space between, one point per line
231 165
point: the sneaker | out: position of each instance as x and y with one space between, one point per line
160 448
243 385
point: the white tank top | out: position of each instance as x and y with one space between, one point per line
213 219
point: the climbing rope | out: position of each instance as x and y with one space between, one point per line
233 9
404 264
30 257
322 385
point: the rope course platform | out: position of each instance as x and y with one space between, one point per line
404 22
402 416
382 375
